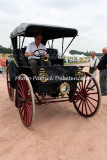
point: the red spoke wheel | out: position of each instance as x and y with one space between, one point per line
25 100
9 88
87 97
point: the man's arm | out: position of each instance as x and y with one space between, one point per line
29 54
28 51
101 64
95 68
97 62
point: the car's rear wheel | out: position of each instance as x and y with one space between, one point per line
25 100
9 88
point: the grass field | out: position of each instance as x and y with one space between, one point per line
75 63
6 55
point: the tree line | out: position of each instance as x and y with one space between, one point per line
9 50
85 53
5 50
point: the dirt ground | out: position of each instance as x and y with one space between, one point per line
57 133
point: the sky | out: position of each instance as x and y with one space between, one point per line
89 17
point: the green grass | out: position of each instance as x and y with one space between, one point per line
6 56
74 63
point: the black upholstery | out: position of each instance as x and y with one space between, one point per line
24 59
53 53
53 57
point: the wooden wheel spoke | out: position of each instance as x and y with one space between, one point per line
78 88
92 93
29 107
86 109
21 110
91 88
29 113
30 102
91 103
20 93
28 96
80 104
24 116
21 104
25 87
85 82
79 85
88 83
79 94
20 87
92 98
89 106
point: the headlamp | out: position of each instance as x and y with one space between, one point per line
64 88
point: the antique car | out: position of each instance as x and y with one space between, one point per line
53 84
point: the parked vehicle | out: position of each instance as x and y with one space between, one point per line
52 84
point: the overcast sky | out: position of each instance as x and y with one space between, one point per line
89 17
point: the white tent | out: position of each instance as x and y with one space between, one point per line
68 57
67 54
71 58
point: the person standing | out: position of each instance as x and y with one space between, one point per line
3 64
102 66
93 66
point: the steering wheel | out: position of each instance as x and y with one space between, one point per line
41 54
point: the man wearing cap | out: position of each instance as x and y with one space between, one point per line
102 66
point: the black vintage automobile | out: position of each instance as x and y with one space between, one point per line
57 83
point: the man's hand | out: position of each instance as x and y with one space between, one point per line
95 68
45 55
31 54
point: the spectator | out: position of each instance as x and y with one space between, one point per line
93 66
102 66
3 63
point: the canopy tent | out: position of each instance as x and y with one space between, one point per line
70 57
67 54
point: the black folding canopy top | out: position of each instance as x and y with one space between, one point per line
48 32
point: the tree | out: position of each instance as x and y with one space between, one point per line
5 50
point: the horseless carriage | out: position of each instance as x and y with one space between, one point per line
57 83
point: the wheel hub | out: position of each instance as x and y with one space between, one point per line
83 94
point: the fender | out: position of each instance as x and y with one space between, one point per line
13 72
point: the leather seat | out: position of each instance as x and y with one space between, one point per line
53 53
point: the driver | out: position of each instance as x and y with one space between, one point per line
33 57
